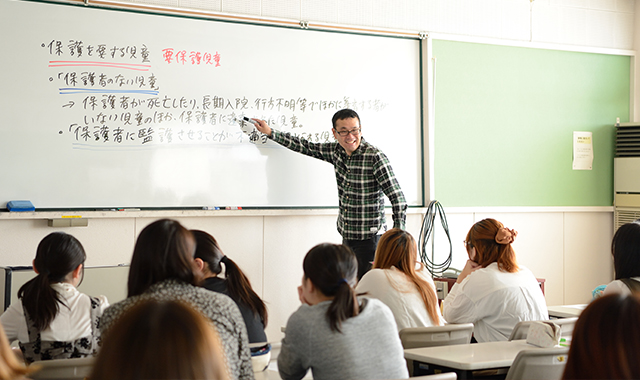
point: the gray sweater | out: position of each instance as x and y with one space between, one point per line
368 347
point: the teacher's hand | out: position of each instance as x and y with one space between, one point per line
263 127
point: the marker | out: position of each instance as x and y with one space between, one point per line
233 208
211 208
244 118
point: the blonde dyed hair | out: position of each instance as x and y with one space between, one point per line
397 248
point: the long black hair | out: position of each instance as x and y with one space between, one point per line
332 268
164 250
58 255
208 250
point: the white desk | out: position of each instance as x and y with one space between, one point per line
565 311
466 359
470 357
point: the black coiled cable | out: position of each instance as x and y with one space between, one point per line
428 232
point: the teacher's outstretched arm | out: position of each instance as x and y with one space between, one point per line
263 127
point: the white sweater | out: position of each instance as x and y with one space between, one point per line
394 288
69 324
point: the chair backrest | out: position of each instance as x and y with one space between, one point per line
521 329
414 337
543 364
77 368
566 325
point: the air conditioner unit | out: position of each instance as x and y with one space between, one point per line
626 174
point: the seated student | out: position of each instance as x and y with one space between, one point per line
335 333
235 284
606 340
210 260
625 248
401 282
54 320
161 340
163 268
11 368
492 292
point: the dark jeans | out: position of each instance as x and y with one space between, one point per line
365 251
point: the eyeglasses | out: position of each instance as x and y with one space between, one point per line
467 244
354 132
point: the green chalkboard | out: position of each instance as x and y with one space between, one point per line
504 122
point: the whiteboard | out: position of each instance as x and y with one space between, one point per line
106 108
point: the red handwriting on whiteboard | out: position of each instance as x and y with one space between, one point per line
183 57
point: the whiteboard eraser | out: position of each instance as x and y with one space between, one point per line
20 206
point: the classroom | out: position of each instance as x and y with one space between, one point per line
486 145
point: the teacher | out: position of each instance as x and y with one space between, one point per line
363 175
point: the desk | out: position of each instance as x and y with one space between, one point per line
565 311
464 359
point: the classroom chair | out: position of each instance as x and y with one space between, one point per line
450 334
543 364
521 329
63 369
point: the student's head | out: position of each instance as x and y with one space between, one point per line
59 258
625 248
209 257
161 340
10 367
606 340
164 250
346 129
488 241
208 254
332 269
397 248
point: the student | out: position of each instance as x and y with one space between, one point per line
10 367
625 248
606 340
401 282
335 333
235 284
492 292
161 340
363 174
53 320
163 268
210 259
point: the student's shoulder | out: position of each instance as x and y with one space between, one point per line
375 307
373 275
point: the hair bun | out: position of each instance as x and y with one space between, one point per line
505 235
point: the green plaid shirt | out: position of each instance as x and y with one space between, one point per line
362 180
